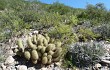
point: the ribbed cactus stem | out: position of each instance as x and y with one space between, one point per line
31 45
57 52
44 60
20 45
34 55
27 55
35 39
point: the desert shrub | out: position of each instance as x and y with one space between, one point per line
64 33
103 30
85 54
86 34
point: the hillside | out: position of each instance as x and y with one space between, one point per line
60 22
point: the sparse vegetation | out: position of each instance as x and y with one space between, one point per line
60 22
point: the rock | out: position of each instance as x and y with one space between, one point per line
3 67
57 68
97 66
8 68
22 67
105 61
58 64
10 52
44 68
35 32
31 68
9 60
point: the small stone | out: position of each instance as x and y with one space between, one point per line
31 68
10 52
9 60
8 68
44 69
98 65
3 67
22 67
58 64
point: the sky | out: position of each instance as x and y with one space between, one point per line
79 3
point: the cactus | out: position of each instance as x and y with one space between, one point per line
34 61
34 55
50 53
57 52
40 39
39 54
50 47
39 48
31 45
20 45
27 55
45 42
58 43
56 59
52 40
34 39
49 57
44 60
47 37
45 55
53 47
49 61
43 50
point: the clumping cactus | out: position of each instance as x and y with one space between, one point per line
39 49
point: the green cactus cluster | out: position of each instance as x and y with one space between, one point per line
40 49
